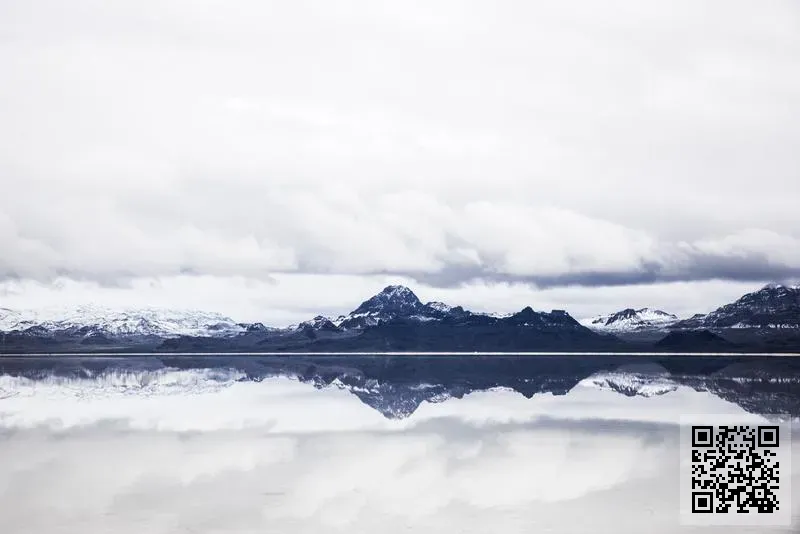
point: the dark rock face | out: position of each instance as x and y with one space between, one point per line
695 341
96 339
254 327
695 321
404 336
627 313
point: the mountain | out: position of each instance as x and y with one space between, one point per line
395 319
630 319
103 322
774 306
393 302
398 303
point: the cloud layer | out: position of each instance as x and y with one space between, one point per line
447 143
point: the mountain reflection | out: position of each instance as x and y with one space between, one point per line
396 386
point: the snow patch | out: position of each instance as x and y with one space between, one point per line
629 320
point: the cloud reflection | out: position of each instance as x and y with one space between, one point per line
282 456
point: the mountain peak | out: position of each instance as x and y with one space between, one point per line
396 290
526 316
772 286
393 299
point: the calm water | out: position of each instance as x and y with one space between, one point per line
395 444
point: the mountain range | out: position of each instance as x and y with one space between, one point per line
766 320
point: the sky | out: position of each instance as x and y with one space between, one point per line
187 454
271 160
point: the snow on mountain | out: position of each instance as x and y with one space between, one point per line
319 322
649 314
15 320
498 315
774 306
122 322
439 306
392 302
630 319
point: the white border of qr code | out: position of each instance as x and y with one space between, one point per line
694 509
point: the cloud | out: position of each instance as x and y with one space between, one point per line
442 143
310 460
344 482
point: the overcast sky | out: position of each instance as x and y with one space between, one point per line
274 159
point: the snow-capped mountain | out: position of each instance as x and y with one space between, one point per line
395 319
774 306
399 302
99 320
393 302
630 319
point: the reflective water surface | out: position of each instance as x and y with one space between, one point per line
362 444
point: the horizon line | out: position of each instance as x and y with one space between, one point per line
390 353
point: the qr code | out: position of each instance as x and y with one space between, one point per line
737 469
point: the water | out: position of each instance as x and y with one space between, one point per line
365 443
